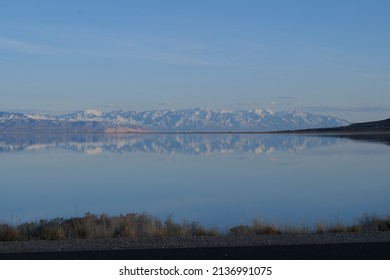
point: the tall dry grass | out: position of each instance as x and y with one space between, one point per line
92 226
367 223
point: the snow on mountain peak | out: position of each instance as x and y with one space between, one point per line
259 112
226 112
94 112
38 117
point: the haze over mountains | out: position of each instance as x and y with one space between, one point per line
187 120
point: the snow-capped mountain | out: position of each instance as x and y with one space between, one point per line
187 120
20 123
200 119
4 117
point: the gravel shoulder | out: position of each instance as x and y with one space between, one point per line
374 245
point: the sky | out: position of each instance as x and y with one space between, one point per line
327 57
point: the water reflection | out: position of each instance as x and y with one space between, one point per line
194 144
383 138
222 180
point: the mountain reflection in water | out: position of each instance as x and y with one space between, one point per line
216 179
195 144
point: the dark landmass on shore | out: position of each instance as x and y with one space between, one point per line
375 127
376 131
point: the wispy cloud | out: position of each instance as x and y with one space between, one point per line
154 54
165 104
253 104
285 97
348 108
134 47
175 54
7 44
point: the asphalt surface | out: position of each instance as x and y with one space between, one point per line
347 251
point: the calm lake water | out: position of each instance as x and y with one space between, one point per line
221 180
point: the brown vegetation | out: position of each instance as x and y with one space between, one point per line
92 226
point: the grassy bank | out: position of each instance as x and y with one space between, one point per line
93 226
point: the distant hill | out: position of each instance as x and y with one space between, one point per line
382 126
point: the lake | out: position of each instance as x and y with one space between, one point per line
219 180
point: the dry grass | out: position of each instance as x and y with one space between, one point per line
92 226
8 233
260 227
257 227
367 223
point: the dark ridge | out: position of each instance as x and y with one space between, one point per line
382 126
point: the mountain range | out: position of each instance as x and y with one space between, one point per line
186 120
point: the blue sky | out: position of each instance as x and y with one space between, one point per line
329 57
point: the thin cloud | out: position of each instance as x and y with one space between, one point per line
162 56
127 52
349 108
26 47
165 104
246 104
285 97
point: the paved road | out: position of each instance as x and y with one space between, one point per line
350 251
